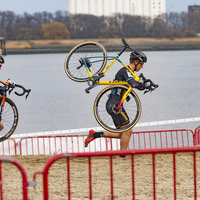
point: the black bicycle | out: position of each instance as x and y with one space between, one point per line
9 115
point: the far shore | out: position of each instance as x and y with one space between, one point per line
112 44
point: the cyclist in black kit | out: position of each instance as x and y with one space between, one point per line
121 119
137 60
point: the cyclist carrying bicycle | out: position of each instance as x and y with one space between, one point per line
121 119
1 62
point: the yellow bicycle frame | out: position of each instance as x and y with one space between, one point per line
137 78
116 58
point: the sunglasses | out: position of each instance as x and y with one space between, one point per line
142 64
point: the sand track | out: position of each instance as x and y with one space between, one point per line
122 174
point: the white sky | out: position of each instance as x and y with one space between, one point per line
32 6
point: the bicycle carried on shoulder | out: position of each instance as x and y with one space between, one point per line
9 115
86 62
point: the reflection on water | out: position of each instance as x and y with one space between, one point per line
58 103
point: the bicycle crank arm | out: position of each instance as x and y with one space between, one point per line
89 88
120 105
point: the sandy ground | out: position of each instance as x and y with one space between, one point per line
122 174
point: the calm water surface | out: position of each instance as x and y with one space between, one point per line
58 103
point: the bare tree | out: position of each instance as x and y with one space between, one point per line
27 26
158 28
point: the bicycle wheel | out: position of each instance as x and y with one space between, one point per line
9 119
131 107
96 61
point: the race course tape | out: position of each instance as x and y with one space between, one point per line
81 130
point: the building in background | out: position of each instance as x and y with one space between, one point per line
149 8
193 9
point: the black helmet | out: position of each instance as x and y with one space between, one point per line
1 60
138 55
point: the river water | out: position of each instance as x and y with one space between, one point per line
58 103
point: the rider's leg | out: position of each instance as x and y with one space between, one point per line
93 135
125 138
109 134
1 126
118 119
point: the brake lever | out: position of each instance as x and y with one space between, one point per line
147 90
151 88
10 90
28 92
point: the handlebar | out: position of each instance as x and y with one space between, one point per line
23 91
148 84
9 86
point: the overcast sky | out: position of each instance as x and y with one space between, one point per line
32 6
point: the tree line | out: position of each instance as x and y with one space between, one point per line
62 25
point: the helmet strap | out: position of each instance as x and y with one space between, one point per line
137 65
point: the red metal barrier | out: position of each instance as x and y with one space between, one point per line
149 142
110 154
8 147
49 145
197 135
162 139
52 144
61 144
75 143
23 173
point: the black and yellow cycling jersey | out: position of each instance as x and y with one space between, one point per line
124 75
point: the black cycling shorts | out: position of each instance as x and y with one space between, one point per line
119 118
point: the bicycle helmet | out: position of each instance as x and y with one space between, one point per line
1 60
138 55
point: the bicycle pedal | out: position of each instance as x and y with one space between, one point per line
87 91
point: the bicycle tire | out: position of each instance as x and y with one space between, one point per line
74 66
132 107
9 119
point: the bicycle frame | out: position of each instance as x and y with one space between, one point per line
113 58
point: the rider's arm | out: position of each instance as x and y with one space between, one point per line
135 84
131 81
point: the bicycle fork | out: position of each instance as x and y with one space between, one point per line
124 97
2 105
